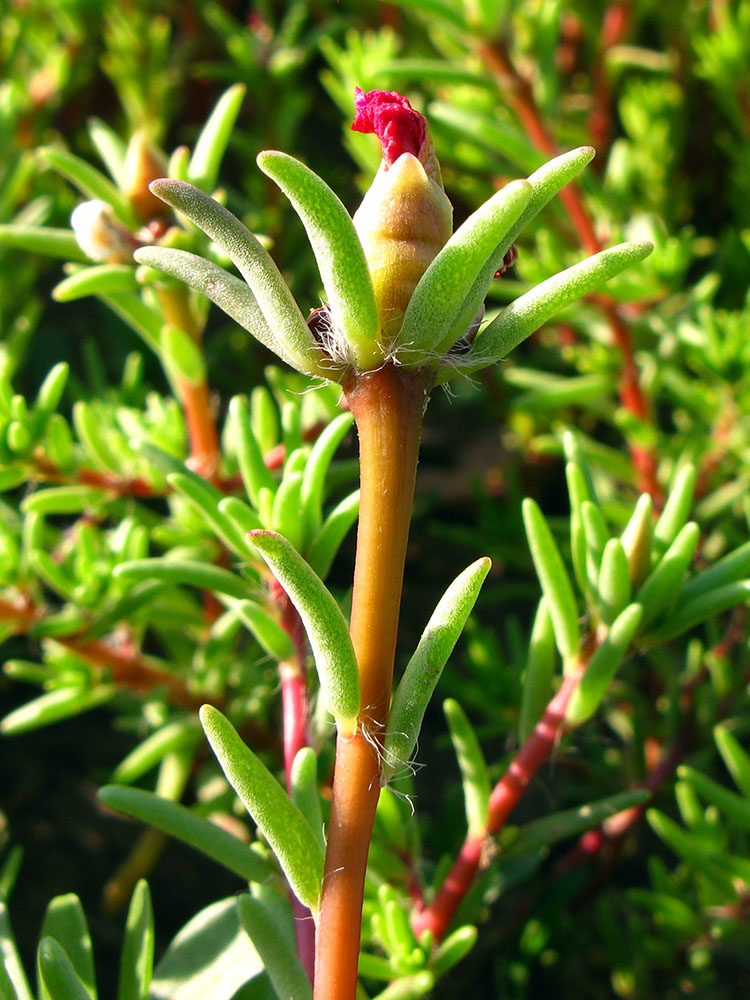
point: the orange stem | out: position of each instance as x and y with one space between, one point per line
387 406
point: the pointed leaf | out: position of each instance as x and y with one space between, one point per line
190 572
270 635
280 961
736 759
423 670
178 735
543 832
203 169
305 794
427 329
58 974
734 808
54 706
637 540
224 289
663 584
676 509
89 181
256 267
325 625
545 182
100 279
211 958
731 568
338 251
48 242
254 471
529 311
540 670
554 580
65 921
474 775
332 533
137 961
10 959
187 826
317 465
279 820
603 666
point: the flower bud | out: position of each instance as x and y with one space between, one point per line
405 218
100 235
143 164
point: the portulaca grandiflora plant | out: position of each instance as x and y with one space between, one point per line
403 314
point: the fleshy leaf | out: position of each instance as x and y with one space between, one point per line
58 974
334 529
529 311
256 267
317 465
65 921
554 580
426 665
279 820
545 182
60 243
203 169
228 292
101 279
304 790
187 826
603 665
279 958
443 288
474 775
341 259
191 572
540 669
325 625
662 586
137 961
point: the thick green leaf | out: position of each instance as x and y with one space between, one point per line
545 182
423 670
269 633
65 922
687 614
10 959
731 568
603 666
279 820
543 832
279 959
254 471
59 980
190 572
521 318
65 499
317 465
735 808
411 987
427 330
474 775
325 625
332 533
211 958
223 289
48 242
187 826
736 759
453 949
274 298
637 540
540 670
180 734
341 259
287 516
304 791
554 580
137 960
54 706
205 499
614 581
100 279
203 169
89 181
662 586
676 509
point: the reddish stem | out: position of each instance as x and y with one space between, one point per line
503 800
615 25
520 96
204 439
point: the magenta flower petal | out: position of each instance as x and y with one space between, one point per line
392 119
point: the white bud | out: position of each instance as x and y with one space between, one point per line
100 235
